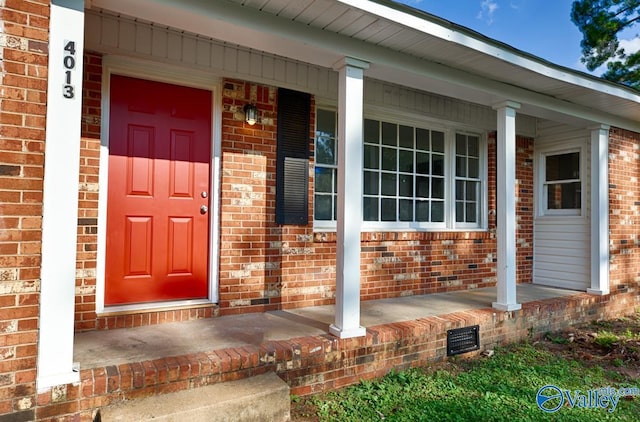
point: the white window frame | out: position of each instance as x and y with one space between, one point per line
450 131
326 225
483 176
543 211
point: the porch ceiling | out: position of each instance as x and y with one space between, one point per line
404 46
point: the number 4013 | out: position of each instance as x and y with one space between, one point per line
69 64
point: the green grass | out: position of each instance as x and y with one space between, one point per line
554 338
501 388
606 339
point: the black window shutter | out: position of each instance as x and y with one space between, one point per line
292 157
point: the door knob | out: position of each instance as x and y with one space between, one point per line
204 209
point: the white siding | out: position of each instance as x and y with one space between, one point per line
406 100
561 253
111 34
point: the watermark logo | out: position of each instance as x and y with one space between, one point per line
552 398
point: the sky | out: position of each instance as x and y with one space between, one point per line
539 27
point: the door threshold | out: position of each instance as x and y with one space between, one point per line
139 308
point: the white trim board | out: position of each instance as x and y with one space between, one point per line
60 197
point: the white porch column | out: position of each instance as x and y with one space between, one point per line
599 210
350 150
60 200
506 204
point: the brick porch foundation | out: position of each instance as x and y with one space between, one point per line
321 363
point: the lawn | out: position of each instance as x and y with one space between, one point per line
577 363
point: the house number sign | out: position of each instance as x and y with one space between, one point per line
69 65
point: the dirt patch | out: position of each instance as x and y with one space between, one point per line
613 345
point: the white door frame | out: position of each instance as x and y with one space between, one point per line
180 76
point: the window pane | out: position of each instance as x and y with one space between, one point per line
405 187
324 179
437 212
437 188
422 187
372 131
406 137
474 168
422 210
461 144
422 140
474 146
422 163
437 141
370 183
472 191
389 159
406 161
322 207
471 212
404 174
389 184
406 210
326 122
371 157
389 134
370 209
563 196
467 167
437 164
460 190
461 166
325 150
388 209
563 166
459 212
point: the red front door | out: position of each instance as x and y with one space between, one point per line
157 216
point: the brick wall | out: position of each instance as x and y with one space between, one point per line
524 209
88 193
264 266
624 204
23 61
324 363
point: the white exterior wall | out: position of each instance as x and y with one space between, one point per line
561 253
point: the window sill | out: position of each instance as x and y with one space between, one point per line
329 235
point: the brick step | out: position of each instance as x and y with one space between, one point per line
259 398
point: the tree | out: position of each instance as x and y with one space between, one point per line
601 21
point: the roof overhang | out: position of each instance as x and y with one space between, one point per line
403 46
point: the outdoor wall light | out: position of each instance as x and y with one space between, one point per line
250 114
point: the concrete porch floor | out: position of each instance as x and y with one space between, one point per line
103 348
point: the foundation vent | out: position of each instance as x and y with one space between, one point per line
463 340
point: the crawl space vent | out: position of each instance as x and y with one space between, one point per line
463 340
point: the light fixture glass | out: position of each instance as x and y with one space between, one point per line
250 114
